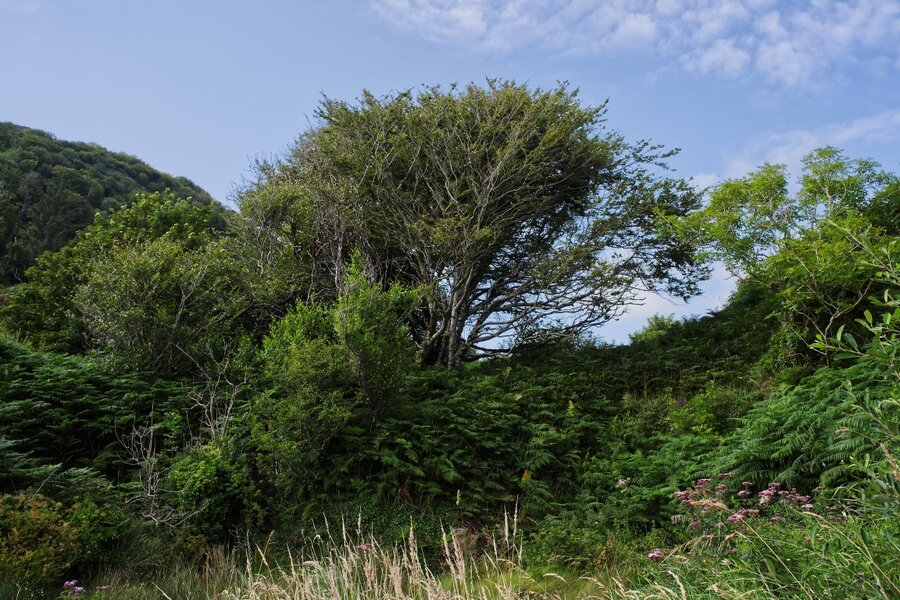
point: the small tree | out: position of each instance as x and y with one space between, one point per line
796 244
327 365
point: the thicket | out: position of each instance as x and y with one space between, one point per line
189 388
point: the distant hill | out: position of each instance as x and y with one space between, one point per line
50 188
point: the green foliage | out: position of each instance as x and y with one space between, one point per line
748 220
63 414
370 324
503 203
790 437
327 365
476 441
43 310
781 550
437 223
804 247
203 486
161 307
41 539
50 189
284 246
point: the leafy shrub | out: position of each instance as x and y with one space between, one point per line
791 436
60 413
203 487
41 539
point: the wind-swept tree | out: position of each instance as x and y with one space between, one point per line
515 209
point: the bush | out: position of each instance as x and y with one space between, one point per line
40 539
204 487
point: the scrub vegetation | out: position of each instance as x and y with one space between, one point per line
380 377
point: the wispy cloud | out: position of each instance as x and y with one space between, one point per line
791 44
790 147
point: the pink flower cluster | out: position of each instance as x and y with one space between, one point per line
769 494
704 497
742 514
73 589
707 506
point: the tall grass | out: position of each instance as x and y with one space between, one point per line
356 566
849 558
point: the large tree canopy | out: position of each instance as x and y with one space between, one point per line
514 210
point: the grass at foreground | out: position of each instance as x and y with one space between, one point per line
853 558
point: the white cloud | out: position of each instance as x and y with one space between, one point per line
794 44
789 147
722 56
704 180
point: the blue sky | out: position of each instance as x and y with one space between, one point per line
200 87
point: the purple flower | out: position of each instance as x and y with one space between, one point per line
655 554
735 518
766 496
807 507
70 584
78 590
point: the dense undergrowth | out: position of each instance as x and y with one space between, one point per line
179 421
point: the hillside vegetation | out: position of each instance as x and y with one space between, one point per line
50 189
380 378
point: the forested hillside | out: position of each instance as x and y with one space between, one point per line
50 189
381 378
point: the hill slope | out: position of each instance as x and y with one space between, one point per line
50 188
